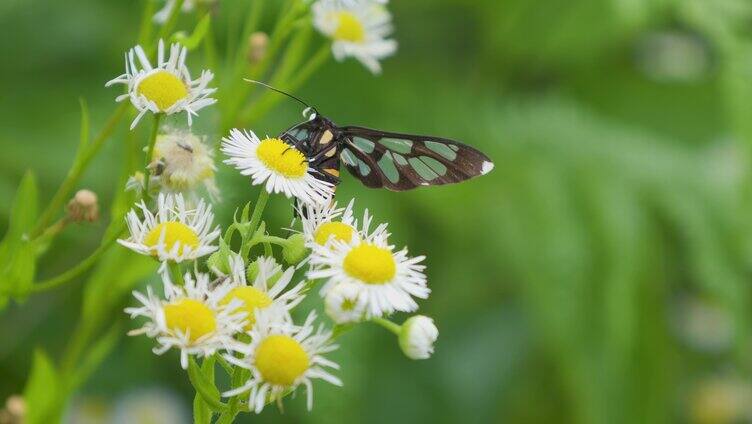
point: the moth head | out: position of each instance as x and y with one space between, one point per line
310 113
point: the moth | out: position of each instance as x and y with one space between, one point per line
381 159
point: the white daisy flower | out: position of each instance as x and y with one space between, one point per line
262 293
276 164
182 162
174 233
358 28
344 304
283 356
191 317
166 88
417 336
387 280
325 221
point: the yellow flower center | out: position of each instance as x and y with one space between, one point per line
370 264
337 230
163 88
252 298
174 232
282 158
281 360
190 317
350 28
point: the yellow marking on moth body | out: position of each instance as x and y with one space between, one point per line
331 152
332 171
326 138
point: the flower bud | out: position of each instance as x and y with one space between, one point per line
417 337
83 207
344 304
14 411
295 250
219 261
253 271
258 44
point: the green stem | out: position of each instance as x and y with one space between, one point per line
150 152
53 230
258 210
279 241
233 405
144 34
82 266
169 24
198 381
269 100
251 23
76 171
176 274
239 89
340 329
394 328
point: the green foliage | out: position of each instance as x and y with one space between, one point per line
17 251
42 391
554 277
197 36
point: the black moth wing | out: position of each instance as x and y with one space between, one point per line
315 139
400 162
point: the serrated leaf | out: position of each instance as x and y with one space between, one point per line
42 391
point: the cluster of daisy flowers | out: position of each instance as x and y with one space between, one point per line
217 299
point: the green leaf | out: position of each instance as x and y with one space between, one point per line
204 386
84 137
103 292
41 392
95 355
17 252
202 413
220 260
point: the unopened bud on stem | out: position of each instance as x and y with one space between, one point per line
258 43
83 207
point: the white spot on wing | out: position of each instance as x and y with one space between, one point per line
486 168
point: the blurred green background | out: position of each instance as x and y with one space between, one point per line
600 274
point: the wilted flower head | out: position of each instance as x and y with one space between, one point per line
182 162
84 206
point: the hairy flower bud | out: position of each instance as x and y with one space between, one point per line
218 261
417 337
253 271
295 250
83 207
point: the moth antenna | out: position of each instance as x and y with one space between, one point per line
280 92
